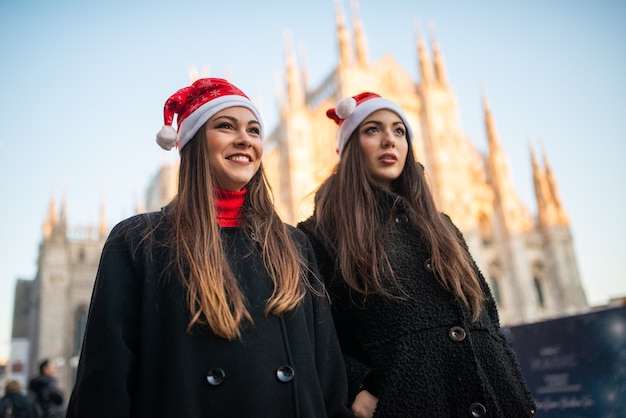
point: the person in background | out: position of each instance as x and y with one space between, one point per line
415 317
212 306
15 402
46 395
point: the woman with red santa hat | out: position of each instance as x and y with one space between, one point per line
415 318
210 307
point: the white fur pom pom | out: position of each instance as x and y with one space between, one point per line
345 107
166 137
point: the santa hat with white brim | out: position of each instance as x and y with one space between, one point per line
194 105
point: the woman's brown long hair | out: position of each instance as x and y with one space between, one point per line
344 210
213 295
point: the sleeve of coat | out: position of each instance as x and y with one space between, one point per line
329 362
357 371
106 373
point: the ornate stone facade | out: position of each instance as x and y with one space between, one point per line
530 263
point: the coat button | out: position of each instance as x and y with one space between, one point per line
428 264
215 376
457 334
402 219
477 410
285 374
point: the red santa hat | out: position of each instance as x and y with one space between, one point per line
194 105
350 112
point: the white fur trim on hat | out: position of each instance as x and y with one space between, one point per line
362 111
195 120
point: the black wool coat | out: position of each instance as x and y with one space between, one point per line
422 356
138 360
47 395
20 403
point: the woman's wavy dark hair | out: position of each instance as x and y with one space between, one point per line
344 210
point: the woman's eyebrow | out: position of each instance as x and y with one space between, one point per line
377 122
230 118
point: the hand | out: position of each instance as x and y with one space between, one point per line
364 405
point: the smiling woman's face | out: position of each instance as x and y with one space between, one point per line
235 147
383 141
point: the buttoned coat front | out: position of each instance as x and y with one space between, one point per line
138 360
420 353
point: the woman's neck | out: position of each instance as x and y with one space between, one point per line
228 205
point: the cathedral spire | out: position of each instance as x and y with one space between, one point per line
304 76
550 211
55 226
561 217
422 56
51 221
515 216
102 227
359 35
63 219
492 135
541 195
345 48
294 89
52 216
439 67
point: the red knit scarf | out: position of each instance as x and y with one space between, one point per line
228 205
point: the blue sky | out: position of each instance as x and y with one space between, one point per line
82 86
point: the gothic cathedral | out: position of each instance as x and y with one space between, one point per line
530 264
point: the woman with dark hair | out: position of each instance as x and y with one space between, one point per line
210 307
415 317
46 396
15 403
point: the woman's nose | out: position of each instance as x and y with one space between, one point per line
388 139
243 139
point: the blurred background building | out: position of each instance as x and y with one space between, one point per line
528 260
50 311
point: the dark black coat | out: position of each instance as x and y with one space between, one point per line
421 356
21 404
46 395
137 359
